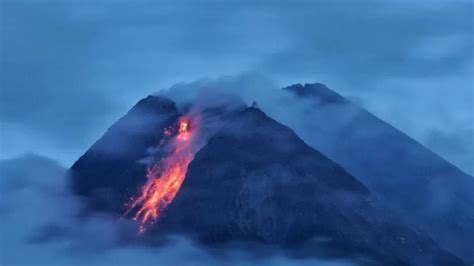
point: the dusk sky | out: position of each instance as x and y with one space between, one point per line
69 69
250 159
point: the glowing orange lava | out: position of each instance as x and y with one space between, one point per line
164 178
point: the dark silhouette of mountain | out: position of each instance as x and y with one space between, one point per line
420 186
317 91
257 181
110 171
254 180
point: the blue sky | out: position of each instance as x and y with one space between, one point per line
69 69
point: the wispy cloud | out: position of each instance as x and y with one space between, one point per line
71 68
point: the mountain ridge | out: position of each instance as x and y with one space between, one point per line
324 200
419 184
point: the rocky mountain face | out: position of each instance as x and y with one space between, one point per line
111 170
254 179
421 187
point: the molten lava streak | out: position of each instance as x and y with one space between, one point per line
165 177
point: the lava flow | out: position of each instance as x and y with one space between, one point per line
165 177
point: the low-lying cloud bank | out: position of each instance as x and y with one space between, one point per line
40 225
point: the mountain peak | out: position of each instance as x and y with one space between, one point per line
252 179
415 183
156 104
254 112
316 90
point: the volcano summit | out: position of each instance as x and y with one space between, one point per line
242 176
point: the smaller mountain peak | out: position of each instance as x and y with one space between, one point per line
250 117
158 104
254 104
254 111
315 90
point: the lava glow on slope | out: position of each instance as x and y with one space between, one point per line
165 177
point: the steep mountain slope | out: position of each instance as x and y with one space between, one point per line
419 185
256 180
253 180
114 168
111 170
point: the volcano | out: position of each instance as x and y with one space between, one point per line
423 188
251 179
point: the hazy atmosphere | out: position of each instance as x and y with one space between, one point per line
71 68
254 171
